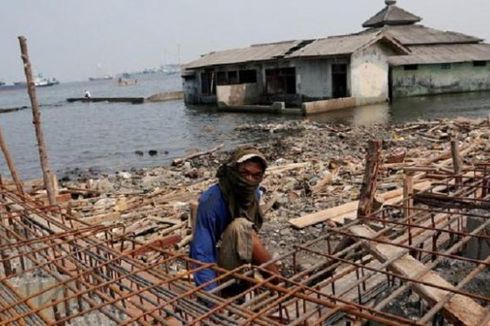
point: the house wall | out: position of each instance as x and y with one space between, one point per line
369 72
192 88
241 94
433 79
314 78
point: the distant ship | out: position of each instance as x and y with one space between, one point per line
39 81
106 77
6 87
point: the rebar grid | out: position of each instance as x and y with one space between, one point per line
92 271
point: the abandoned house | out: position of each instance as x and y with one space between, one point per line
394 56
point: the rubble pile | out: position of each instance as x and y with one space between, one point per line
313 167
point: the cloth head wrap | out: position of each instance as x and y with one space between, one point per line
239 192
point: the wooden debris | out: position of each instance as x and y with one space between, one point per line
180 161
10 163
155 245
339 213
333 214
327 179
457 162
461 309
368 189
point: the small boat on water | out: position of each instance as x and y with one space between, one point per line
6 87
39 81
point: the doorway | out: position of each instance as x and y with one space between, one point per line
339 80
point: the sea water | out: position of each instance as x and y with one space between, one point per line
115 136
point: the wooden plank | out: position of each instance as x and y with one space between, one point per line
324 215
338 214
103 218
460 309
155 245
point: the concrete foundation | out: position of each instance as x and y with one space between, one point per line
477 248
339 103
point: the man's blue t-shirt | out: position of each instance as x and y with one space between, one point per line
213 216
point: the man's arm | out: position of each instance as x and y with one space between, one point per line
260 255
203 245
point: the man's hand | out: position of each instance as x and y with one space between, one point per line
260 256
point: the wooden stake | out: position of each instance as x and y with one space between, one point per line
457 162
408 194
36 113
10 163
368 189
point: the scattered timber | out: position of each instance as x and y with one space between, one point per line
180 161
338 214
132 100
152 210
463 310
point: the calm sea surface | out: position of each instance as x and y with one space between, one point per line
105 136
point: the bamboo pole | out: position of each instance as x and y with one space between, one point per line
36 113
10 163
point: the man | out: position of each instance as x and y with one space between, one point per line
229 212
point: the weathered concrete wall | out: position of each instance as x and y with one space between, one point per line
240 94
192 88
433 79
369 72
314 78
338 104
276 108
165 96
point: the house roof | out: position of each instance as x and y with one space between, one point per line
331 46
392 25
391 15
420 35
346 45
259 52
444 53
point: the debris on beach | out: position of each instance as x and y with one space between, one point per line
426 182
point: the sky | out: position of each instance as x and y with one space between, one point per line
73 39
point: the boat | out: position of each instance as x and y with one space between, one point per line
5 87
106 77
39 81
